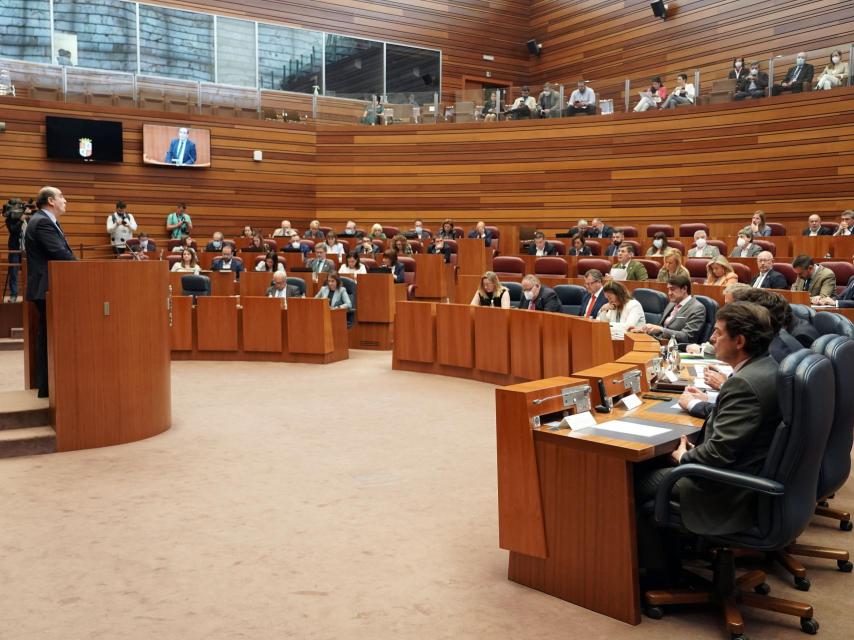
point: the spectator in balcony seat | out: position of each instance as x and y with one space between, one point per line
753 86
796 76
834 74
739 70
683 94
652 97
581 101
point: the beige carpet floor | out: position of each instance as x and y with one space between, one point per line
299 501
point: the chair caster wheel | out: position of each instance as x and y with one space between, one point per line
809 625
656 613
824 504
845 566
802 584
846 525
762 589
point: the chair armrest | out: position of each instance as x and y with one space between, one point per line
724 476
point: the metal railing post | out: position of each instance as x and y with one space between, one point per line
627 90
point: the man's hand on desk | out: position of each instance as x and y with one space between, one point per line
649 328
714 378
690 394
824 300
684 445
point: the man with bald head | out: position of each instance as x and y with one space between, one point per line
45 242
814 227
768 277
795 77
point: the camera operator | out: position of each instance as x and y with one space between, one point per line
14 214
120 226
178 223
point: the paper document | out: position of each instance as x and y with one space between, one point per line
620 426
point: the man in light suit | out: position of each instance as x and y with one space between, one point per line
182 150
703 248
280 287
626 267
683 317
536 297
815 228
768 278
818 280
595 298
745 247
45 241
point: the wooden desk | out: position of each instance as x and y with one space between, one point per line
430 276
473 257
375 307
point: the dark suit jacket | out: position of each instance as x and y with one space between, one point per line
549 248
742 73
805 76
487 236
152 246
607 232
822 231
736 436
846 298
546 301
327 267
212 248
761 82
236 266
399 271
44 243
584 252
189 152
612 249
600 301
773 280
446 251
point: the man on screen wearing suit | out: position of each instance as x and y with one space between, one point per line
768 278
683 317
536 297
182 150
45 241
595 298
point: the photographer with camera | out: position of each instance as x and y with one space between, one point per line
178 223
120 226
14 214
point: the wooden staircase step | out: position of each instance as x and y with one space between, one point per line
11 344
22 409
29 441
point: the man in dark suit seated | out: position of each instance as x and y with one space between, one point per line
350 230
598 229
439 246
815 228
227 262
768 277
795 77
280 287
145 244
595 298
293 244
539 247
419 232
216 244
616 241
320 263
683 317
752 86
366 247
844 300
581 228
480 231
536 297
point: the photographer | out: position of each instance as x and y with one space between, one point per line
14 214
120 226
178 223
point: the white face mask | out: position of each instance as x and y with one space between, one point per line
800 61
418 228
738 64
529 295
701 243
657 243
754 72
295 244
741 242
835 59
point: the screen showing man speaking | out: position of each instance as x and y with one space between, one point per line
178 146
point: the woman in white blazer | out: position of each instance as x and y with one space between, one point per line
622 311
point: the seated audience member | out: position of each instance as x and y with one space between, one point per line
703 249
401 245
752 86
683 94
814 227
537 297
294 245
188 263
621 310
145 243
438 246
834 74
598 229
377 232
616 243
795 76
659 245
480 231
447 231
313 232
320 263
683 317
334 246
524 106
594 299
672 266
579 247
846 223
768 278
335 292
719 272
373 111
270 263
819 281
284 230
548 102
652 97
581 228
280 287
758 226
491 293
739 70
350 230
745 247
366 247
626 267
539 247
227 261
247 233
352 266
390 263
216 243
582 100
186 243
489 111
256 244
419 232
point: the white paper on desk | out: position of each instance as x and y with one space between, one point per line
620 426
713 396
700 383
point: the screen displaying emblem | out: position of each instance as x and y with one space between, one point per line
85 147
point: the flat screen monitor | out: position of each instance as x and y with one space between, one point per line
83 140
176 146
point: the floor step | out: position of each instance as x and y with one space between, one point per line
30 441
22 409
11 344
17 333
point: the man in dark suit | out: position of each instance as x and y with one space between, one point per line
216 243
595 298
480 231
182 150
536 297
683 317
815 228
539 247
227 262
768 277
293 244
753 86
616 241
844 300
598 229
581 228
439 246
44 241
795 77
419 232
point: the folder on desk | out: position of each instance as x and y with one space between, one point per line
636 430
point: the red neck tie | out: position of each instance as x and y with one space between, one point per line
532 306
590 306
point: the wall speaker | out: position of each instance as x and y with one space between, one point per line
659 9
534 47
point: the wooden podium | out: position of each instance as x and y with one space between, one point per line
473 260
108 352
430 276
375 306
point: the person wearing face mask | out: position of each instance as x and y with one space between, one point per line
216 243
753 85
659 245
294 245
739 71
834 74
549 102
536 297
795 77
419 232
616 241
702 249
745 247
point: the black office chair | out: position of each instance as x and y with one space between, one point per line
350 285
711 312
653 303
785 491
299 284
570 296
827 323
515 290
803 312
195 286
